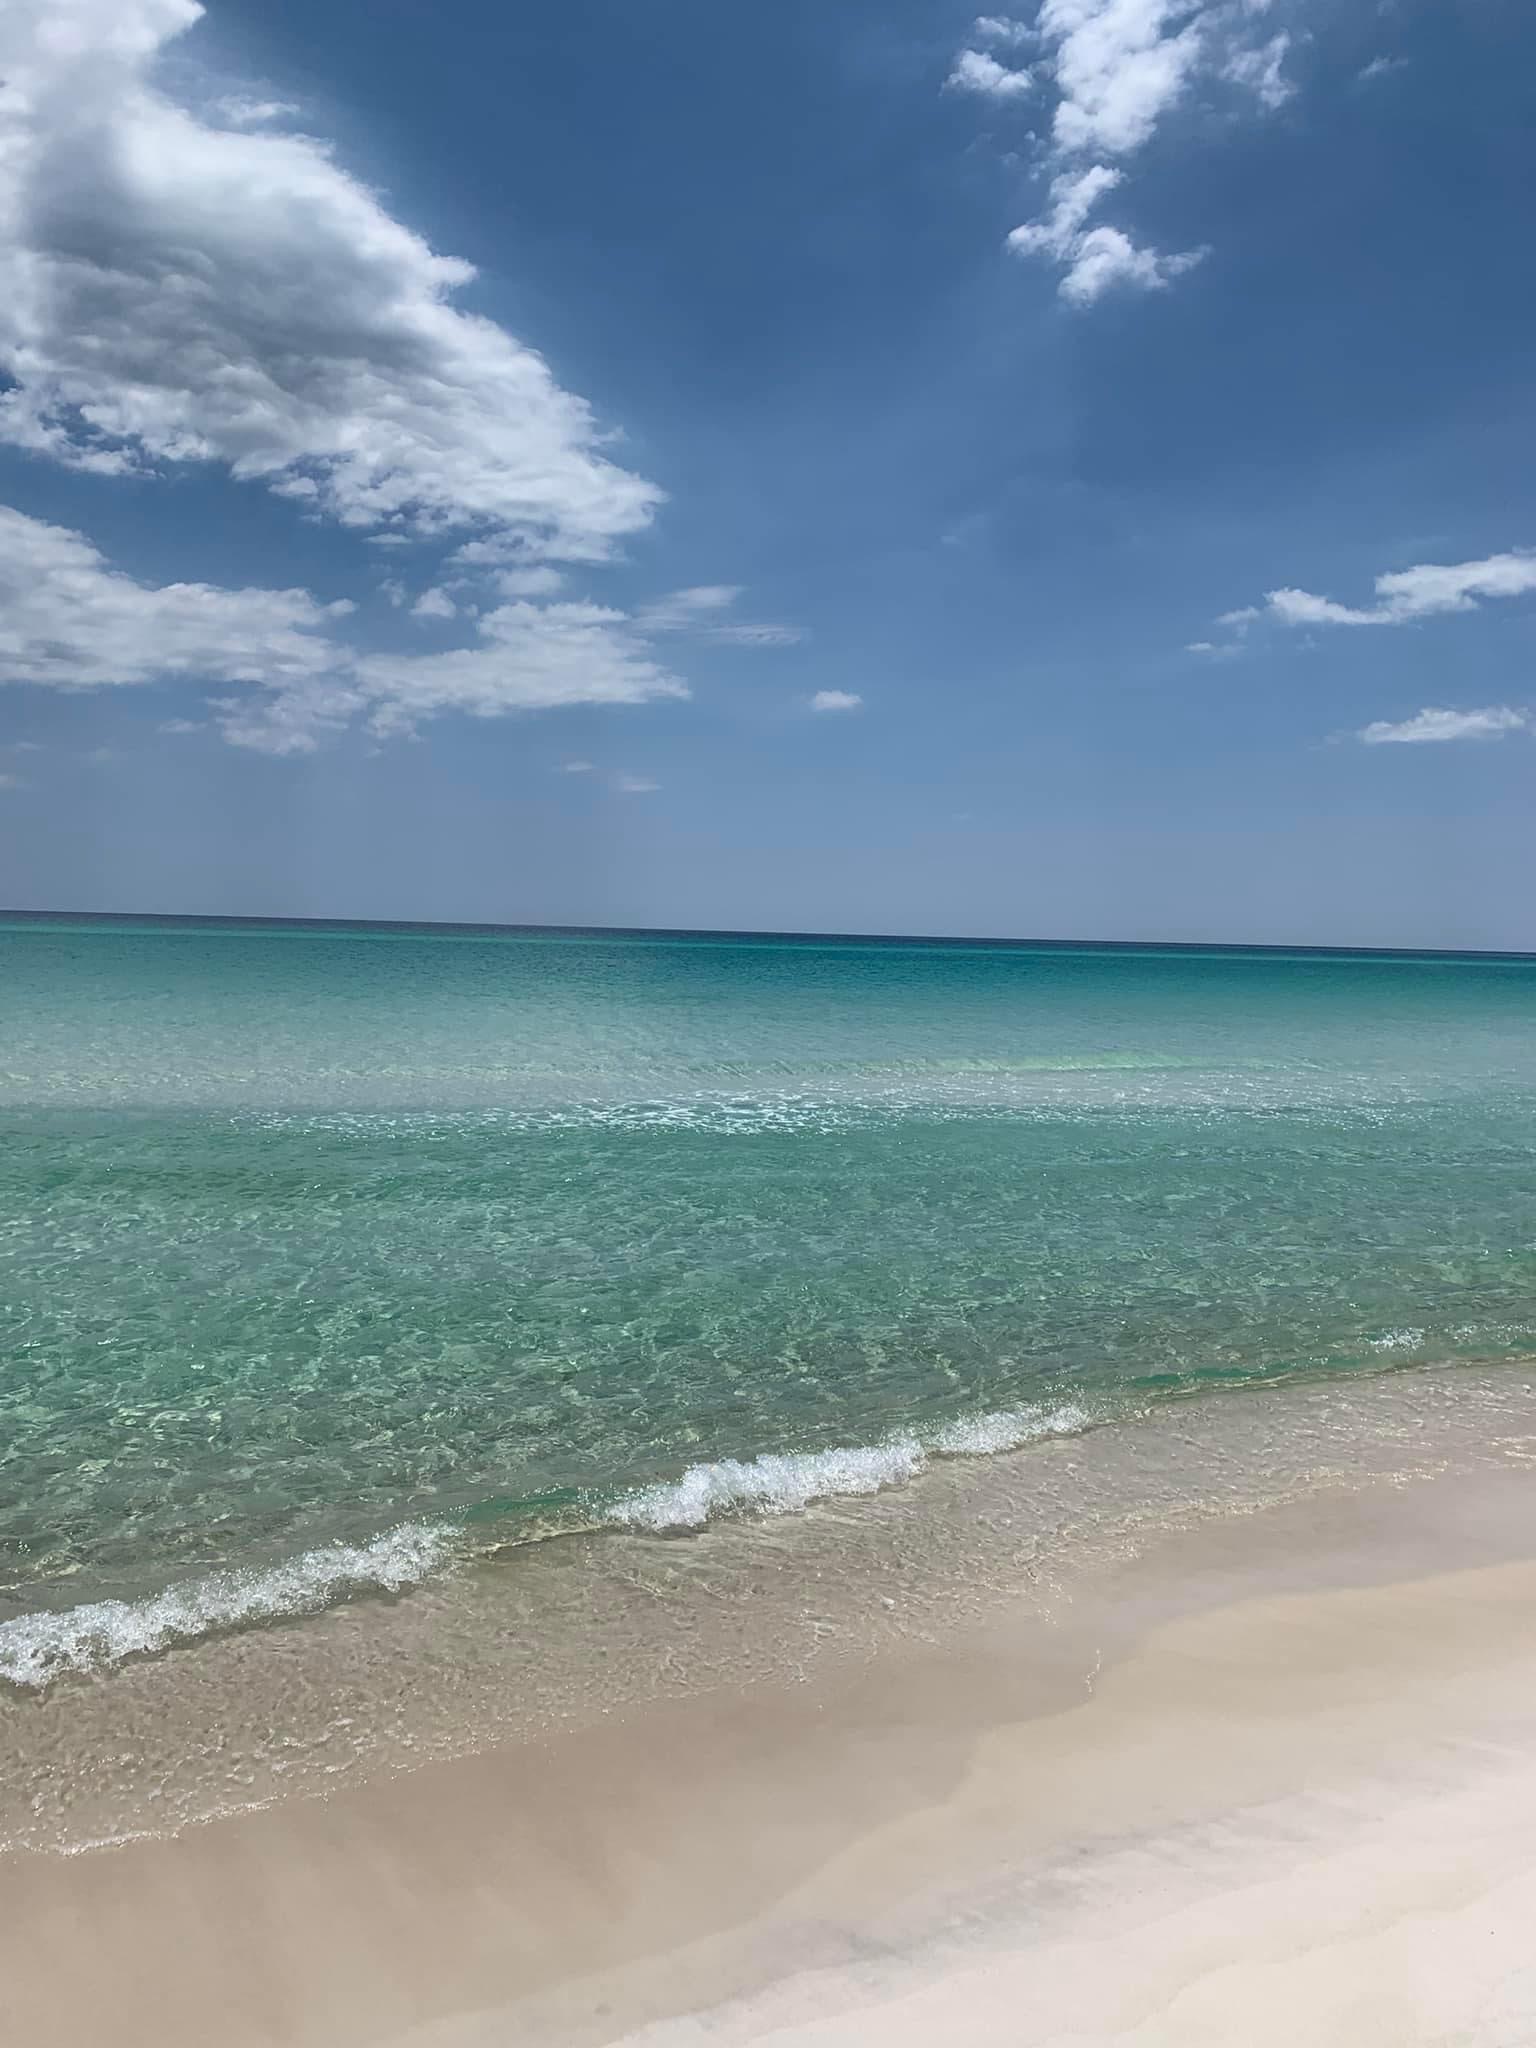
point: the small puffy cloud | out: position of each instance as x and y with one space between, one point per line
979 71
1381 67
576 767
836 700
1403 595
1105 257
1096 259
635 785
1120 65
1001 28
184 291
179 726
434 604
1431 726
393 590
1302 608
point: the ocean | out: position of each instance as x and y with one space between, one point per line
394 1321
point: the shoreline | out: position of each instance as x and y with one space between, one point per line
1121 1814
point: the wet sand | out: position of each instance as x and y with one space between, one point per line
1273 1779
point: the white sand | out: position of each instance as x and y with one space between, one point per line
1231 1798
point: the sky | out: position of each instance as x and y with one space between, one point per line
825 467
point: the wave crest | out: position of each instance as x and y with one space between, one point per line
785 1482
39 1647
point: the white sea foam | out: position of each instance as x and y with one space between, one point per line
39 1647
785 1482
1397 1340
36 1648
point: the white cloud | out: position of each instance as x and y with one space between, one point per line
177 727
836 700
755 636
241 110
697 610
1105 257
576 767
1260 68
1001 28
635 785
1301 608
434 604
684 609
1096 258
529 658
177 293
1429 726
537 582
1118 69
978 71
71 621
1404 595
1381 67
1119 65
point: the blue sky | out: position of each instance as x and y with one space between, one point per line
823 467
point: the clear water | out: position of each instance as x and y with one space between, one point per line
310 1233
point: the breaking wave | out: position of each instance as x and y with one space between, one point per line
784 1482
47 1644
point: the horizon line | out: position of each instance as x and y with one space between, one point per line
485 928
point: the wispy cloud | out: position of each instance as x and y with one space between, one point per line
635 785
1402 596
576 767
10 781
70 621
1431 726
836 700
698 611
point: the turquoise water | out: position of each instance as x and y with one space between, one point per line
326 1251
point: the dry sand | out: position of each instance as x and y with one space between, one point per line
1275 1781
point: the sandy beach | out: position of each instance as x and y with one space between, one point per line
1271 1780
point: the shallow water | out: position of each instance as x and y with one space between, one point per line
329 1256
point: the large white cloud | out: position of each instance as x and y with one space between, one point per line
181 287
69 620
